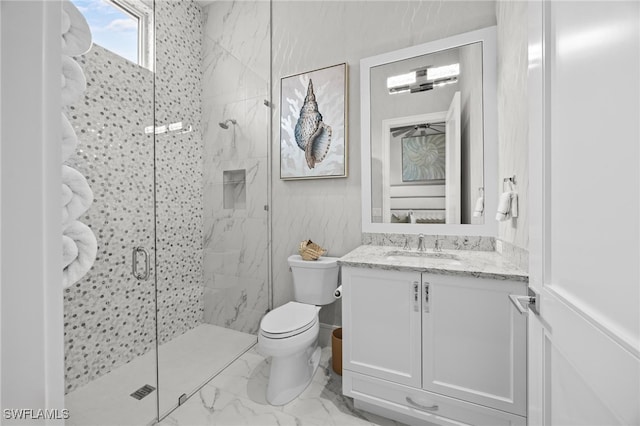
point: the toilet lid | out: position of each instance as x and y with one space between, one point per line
288 318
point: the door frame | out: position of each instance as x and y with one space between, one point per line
453 159
387 125
32 344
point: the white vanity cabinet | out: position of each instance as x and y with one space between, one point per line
474 341
444 349
381 327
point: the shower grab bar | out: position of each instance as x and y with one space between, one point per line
134 264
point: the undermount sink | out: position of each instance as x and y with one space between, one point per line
398 255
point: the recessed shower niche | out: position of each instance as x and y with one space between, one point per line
234 189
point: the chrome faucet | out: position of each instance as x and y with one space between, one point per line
436 246
421 246
411 217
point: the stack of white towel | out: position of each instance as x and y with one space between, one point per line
79 245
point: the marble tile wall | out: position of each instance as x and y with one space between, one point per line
516 255
109 317
235 84
315 34
512 113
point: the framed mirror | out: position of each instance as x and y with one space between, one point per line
429 137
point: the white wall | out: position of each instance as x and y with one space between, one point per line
513 114
32 350
310 35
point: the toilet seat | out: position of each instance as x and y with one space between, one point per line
288 320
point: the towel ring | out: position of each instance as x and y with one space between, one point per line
511 180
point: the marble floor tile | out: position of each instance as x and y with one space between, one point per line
191 359
185 364
236 396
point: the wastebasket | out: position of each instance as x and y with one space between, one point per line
336 350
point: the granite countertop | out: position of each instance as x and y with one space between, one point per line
481 264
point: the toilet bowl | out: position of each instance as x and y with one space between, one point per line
289 333
292 343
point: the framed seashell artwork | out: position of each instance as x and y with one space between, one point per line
423 158
313 124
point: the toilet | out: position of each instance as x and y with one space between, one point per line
289 333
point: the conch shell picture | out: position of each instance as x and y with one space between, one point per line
313 119
313 136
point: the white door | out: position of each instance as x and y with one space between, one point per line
584 88
452 161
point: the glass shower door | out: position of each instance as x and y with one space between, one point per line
178 25
110 312
211 188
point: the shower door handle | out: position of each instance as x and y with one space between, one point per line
135 261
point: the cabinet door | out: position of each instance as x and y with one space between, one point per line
474 341
381 324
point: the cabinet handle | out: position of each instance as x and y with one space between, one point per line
433 407
426 297
416 296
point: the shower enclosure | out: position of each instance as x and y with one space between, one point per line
174 146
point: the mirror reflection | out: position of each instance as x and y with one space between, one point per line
427 138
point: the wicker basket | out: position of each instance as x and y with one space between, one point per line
310 251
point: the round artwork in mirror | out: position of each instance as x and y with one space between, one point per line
426 127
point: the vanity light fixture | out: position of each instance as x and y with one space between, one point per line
423 79
445 81
398 81
402 89
443 72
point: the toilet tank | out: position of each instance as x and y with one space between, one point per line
314 281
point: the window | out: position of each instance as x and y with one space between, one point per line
125 27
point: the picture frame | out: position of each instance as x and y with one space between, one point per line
423 158
313 124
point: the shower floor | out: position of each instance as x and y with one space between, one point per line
185 364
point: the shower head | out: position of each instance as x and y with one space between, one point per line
225 125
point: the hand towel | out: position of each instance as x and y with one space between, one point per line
87 247
69 139
76 35
514 204
81 198
504 205
73 81
477 212
69 251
